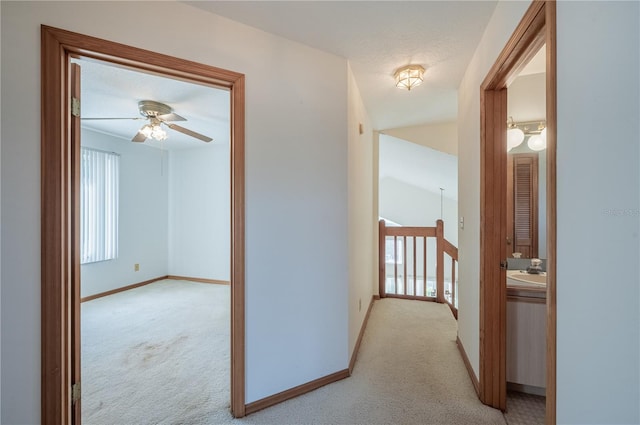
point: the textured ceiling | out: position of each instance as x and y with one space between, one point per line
377 37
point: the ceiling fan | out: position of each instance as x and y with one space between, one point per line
157 114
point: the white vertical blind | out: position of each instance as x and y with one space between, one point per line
99 181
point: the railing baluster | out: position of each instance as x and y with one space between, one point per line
424 264
453 282
440 261
414 266
395 264
404 253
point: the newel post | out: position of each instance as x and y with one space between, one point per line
381 258
440 261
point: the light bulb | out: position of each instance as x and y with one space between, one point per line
158 133
146 130
536 143
543 134
515 136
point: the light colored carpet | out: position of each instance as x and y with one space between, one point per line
155 354
409 371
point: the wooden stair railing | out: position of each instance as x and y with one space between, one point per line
397 254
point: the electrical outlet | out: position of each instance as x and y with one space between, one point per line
136 267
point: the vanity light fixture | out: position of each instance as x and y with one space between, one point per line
409 76
535 130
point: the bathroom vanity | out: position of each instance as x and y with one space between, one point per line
526 332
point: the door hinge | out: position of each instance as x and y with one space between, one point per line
75 392
75 107
503 265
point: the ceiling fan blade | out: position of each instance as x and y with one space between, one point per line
105 119
139 137
189 132
171 117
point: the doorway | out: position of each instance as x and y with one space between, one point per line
154 246
537 27
60 262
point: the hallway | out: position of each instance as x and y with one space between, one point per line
408 371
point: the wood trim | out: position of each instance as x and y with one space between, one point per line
439 261
76 289
522 46
552 119
467 364
376 297
451 250
124 288
493 181
237 246
411 231
199 280
57 215
55 243
537 26
382 263
454 310
295 391
356 349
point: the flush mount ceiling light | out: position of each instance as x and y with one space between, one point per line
409 76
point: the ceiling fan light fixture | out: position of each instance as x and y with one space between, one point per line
409 76
153 130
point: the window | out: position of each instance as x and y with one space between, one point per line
99 182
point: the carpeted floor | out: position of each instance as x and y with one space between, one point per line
155 354
409 370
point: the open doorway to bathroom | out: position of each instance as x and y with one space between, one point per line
526 254
537 28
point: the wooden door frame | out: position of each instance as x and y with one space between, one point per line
59 261
537 27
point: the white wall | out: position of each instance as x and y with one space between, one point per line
410 205
199 205
142 220
598 180
296 187
504 20
361 219
439 136
598 200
